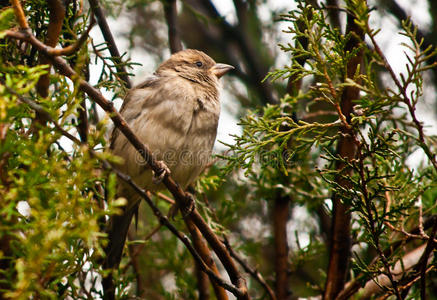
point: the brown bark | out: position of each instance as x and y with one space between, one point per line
202 283
280 218
19 14
57 14
204 252
170 12
253 272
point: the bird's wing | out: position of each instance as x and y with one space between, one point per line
147 83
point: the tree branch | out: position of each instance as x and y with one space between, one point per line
423 261
202 283
19 14
71 49
280 216
171 13
57 14
253 272
204 252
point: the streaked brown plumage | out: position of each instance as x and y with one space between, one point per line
175 113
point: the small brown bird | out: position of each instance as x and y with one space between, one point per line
175 113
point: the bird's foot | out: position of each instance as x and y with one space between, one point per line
185 211
158 177
189 208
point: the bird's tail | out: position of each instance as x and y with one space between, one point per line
117 232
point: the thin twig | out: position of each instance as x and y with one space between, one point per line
253 272
69 50
411 108
112 46
422 232
423 262
165 198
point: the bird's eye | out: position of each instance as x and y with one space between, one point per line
199 64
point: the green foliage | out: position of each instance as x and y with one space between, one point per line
50 190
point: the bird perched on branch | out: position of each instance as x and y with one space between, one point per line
175 113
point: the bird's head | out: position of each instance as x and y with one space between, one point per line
195 66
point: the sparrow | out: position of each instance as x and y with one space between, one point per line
175 113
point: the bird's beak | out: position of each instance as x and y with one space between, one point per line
221 69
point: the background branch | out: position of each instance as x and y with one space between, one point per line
171 14
57 14
112 46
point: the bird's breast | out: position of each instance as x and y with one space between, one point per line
199 140
179 126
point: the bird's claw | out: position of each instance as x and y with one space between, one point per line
158 177
186 210
189 208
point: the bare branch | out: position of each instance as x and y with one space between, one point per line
202 283
253 272
171 13
203 250
57 14
19 14
423 261
280 217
